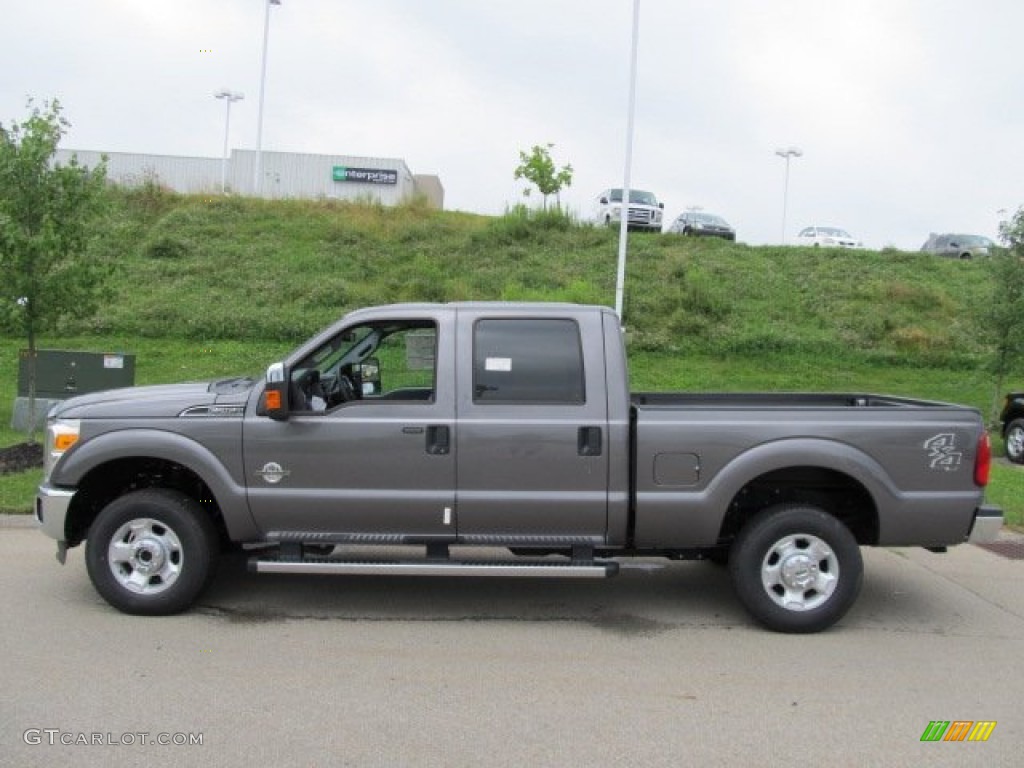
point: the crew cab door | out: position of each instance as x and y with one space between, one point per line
376 467
533 416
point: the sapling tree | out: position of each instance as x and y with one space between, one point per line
539 169
46 216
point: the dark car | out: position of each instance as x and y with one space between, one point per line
957 246
705 224
1012 420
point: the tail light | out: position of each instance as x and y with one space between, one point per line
982 461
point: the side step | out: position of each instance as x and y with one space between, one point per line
594 569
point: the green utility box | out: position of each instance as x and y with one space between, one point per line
61 374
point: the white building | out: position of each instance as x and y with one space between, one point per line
285 175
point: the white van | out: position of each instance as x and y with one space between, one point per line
645 211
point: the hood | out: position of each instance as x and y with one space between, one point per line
162 401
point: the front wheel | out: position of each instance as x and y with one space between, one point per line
796 568
151 552
1015 441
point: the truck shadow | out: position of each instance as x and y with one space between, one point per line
643 601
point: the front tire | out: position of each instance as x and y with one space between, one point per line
796 568
151 552
1015 441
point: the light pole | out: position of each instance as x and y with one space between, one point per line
257 174
228 96
620 272
787 154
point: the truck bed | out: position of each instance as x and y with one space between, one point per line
778 400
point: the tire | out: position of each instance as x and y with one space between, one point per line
151 552
796 568
1014 441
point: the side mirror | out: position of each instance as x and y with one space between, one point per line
275 395
661 205
604 201
369 377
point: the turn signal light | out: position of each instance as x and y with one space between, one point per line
62 441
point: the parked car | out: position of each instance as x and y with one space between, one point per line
1012 422
957 246
829 237
704 224
645 211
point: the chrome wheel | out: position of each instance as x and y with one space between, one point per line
145 556
800 572
1015 442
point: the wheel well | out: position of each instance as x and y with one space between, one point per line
840 495
108 481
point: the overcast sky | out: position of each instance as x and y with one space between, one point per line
909 112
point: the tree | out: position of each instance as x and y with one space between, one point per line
1003 316
46 216
538 168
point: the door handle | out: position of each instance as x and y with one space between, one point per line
438 441
588 441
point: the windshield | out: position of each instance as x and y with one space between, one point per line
710 218
972 241
833 232
637 196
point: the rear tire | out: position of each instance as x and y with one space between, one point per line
796 568
151 552
1014 441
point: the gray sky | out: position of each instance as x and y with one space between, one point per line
909 112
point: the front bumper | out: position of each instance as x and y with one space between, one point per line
988 520
52 510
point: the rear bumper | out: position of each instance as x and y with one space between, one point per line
988 520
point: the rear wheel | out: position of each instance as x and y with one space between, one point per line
151 552
1015 441
796 568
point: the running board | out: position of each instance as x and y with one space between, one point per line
597 569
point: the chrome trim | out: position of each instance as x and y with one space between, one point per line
599 570
988 521
52 510
212 412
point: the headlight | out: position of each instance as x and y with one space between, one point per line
61 434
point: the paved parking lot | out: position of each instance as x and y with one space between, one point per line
657 667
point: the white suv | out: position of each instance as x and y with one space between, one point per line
644 209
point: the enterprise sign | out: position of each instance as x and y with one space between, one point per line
365 175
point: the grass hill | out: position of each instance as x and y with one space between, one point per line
210 286
205 268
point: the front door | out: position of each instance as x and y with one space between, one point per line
360 461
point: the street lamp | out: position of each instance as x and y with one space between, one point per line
228 96
257 178
787 154
620 271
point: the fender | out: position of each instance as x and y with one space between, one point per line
170 446
692 518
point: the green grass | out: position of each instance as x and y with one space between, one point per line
206 286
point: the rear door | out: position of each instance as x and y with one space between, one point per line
532 460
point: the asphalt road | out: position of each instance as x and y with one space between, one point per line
657 667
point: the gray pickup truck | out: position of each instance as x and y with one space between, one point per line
485 439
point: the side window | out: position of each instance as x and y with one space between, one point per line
527 361
381 361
